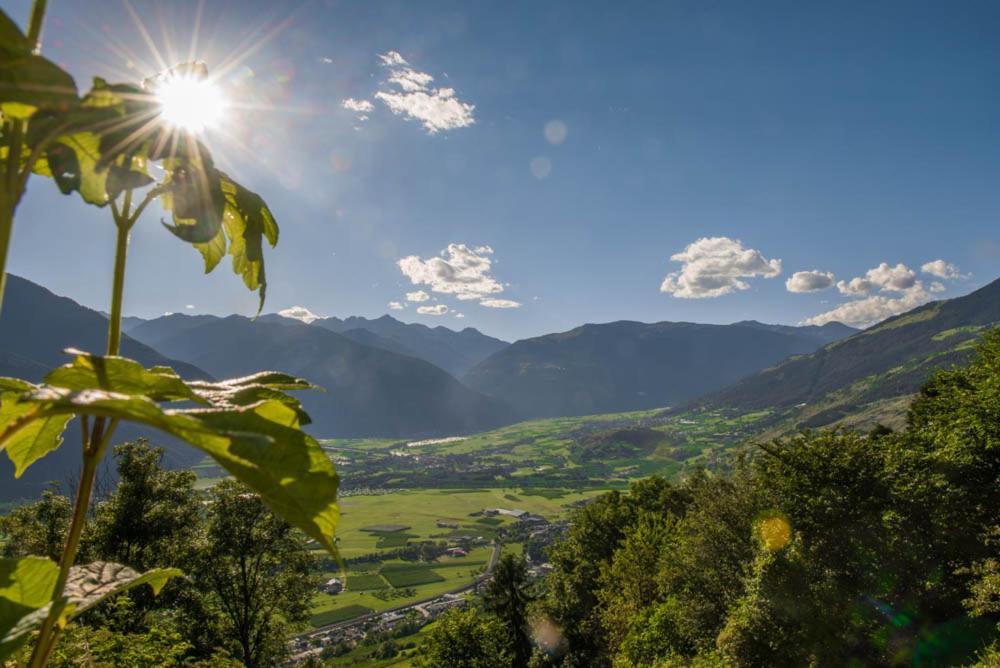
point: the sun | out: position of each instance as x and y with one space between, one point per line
190 103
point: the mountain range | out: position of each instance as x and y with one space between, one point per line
385 378
36 326
620 366
870 376
369 391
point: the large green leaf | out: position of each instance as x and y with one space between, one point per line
194 198
13 43
37 437
71 160
248 221
260 443
27 586
90 584
210 209
25 589
122 375
29 82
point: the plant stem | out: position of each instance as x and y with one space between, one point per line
94 444
118 290
93 451
35 24
6 231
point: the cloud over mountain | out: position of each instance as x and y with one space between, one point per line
418 296
715 266
896 290
941 269
299 313
809 281
460 271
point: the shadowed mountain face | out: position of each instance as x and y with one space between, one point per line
369 391
36 326
891 359
455 352
624 365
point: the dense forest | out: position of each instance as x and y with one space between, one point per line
248 574
831 548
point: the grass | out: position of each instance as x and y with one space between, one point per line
421 509
392 540
338 615
385 528
411 577
365 582
489 521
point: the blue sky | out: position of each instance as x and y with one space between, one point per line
833 137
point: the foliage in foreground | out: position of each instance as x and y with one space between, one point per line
102 145
831 548
248 575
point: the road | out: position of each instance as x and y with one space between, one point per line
494 557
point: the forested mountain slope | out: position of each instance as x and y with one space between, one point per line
625 365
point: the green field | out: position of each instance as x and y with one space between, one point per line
408 577
394 540
335 615
394 494
365 582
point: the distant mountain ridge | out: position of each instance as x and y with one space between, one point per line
626 365
455 352
871 370
369 391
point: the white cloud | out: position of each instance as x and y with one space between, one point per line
900 290
414 97
857 286
937 287
299 313
460 271
360 106
870 310
392 59
809 281
189 307
492 302
941 269
396 306
713 266
459 315
883 278
437 309
892 279
418 296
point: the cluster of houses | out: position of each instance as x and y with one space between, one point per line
519 515
354 632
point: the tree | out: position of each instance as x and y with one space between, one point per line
36 528
153 515
467 639
252 576
629 581
507 598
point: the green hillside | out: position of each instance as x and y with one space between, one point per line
867 377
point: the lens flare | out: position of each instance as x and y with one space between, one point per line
190 103
775 532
